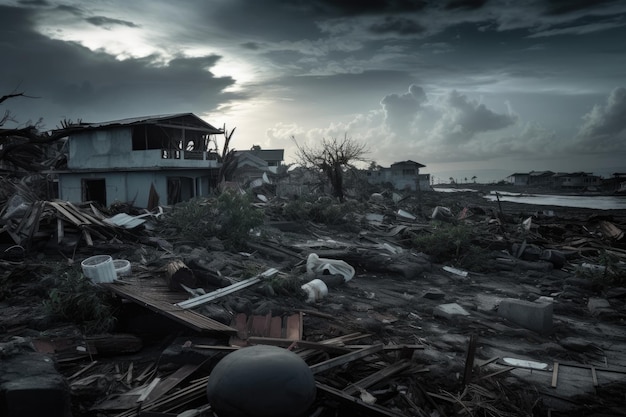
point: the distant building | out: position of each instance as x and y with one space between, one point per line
579 180
254 166
401 175
576 180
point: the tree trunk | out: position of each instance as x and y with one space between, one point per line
178 273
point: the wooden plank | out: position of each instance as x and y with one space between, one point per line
293 327
377 377
149 390
501 371
192 319
66 213
345 338
276 327
555 374
86 216
194 392
594 376
344 359
469 360
364 409
260 325
88 238
60 230
387 348
299 344
173 380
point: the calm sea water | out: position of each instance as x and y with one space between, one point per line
594 202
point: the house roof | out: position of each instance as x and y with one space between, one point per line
409 162
268 154
173 120
248 158
541 173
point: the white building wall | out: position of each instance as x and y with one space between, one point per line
131 186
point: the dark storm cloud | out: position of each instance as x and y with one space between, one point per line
364 7
559 7
34 2
465 4
399 25
76 11
253 46
107 22
272 20
74 82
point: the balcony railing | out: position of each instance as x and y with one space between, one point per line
192 155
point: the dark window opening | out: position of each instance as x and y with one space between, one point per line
179 189
95 190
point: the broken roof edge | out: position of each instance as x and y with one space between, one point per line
133 169
153 119
408 161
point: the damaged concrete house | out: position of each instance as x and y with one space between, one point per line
256 165
404 175
148 160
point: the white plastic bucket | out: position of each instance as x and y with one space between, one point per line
122 267
315 289
99 268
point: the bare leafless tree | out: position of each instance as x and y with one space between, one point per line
332 157
23 147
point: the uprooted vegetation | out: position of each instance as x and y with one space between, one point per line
451 243
608 271
323 210
229 217
75 299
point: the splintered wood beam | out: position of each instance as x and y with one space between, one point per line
377 377
167 384
555 374
344 359
469 360
298 343
364 409
594 376
177 274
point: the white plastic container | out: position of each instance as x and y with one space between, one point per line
122 267
99 268
315 289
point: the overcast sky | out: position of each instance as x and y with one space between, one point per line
465 87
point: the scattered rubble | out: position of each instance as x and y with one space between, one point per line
432 305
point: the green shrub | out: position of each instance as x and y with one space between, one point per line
230 217
323 210
75 299
608 271
446 242
236 217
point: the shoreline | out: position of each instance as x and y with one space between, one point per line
518 189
